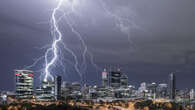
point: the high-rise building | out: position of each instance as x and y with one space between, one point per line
76 86
58 81
152 87
105 78
162 90
46 92
115 79
24 83
172 86
143 87
85 91
192 94
66 89
152 90
124 81
76 90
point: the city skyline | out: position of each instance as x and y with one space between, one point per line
162 41
114 86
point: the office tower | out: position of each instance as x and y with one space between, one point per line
124 81
162 90
76 86
172 86
192 94
58 81
24 83
105 78
66 89
66 85
39 94
143 87
76 90
46 92
48 89
85 91
152 89
115 79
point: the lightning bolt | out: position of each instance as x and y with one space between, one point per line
124 24
54 47
85 52
53 56
50 60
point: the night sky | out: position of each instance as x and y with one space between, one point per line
161 42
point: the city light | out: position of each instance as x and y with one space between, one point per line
97 55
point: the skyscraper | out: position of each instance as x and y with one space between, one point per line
162 90
48 88
104 78
115 79
124 81
172 86
58 82
46 92
66 89
76 86
24 84
192 94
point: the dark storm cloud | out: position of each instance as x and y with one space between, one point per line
164 41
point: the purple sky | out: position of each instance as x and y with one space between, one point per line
162 43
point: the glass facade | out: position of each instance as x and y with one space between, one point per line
115 79
24 84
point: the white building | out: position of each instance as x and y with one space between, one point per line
24 83
192 94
